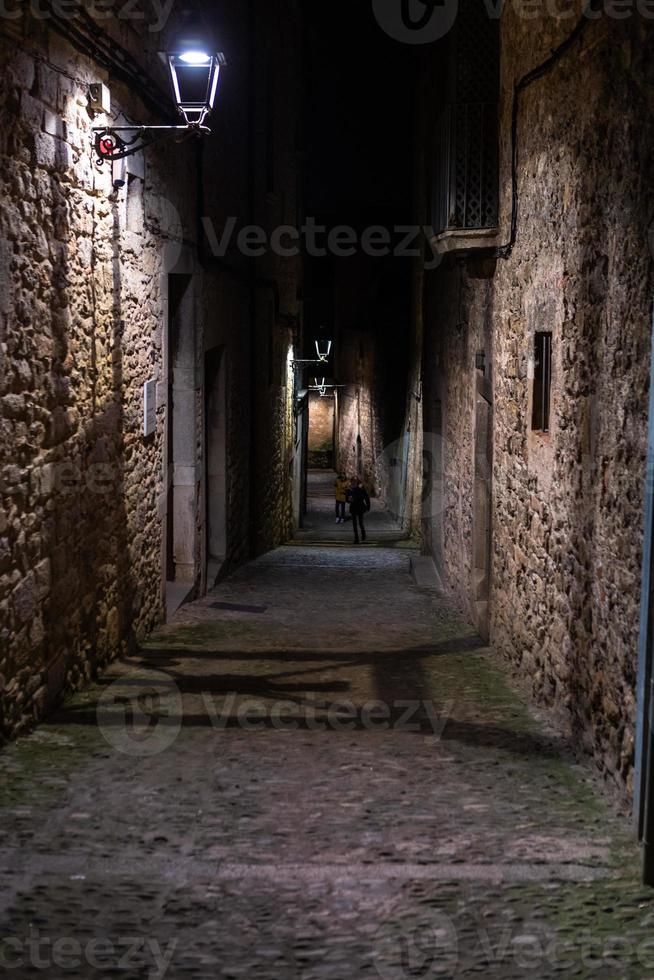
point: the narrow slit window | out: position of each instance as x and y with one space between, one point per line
542 383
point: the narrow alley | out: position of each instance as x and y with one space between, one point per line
326 489
316 771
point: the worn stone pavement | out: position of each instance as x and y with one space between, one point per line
244 799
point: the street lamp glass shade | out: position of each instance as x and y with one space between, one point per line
194 73
323 349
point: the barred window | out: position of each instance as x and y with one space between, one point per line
540 417
466 139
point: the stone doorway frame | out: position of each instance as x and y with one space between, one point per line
178 391
215 455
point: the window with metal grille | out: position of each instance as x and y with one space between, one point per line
466 171
540 418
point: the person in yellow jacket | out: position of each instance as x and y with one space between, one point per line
340 490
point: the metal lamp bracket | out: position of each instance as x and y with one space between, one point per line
117 142
297 364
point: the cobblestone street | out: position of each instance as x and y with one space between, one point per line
317 771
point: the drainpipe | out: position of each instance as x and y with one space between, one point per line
644 781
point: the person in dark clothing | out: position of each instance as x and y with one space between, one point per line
359 505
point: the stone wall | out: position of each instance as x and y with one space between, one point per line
566 511
277 199
80 331
321 431
253 177
373 337
355 434
90 277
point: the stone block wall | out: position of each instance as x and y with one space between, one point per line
567 506
356 432
321 431
88 275
278 328
257 182
80 334
373 336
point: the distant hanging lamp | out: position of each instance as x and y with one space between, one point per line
323 350
322 387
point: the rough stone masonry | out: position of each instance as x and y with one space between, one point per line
81 315
86 292
567 505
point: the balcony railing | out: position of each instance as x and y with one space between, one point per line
466 168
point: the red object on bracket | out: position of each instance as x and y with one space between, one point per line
107 146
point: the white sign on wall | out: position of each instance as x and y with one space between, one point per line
149 408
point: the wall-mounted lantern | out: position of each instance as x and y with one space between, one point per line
194 71
323 350
320 385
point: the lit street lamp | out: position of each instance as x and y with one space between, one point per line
323 350
194 71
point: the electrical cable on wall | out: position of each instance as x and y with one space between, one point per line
504 251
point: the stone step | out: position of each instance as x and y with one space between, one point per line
313 542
